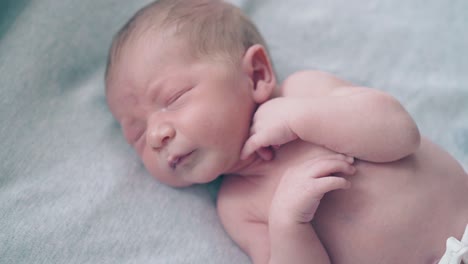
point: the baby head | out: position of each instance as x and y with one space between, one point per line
183 80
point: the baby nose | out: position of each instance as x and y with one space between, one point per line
160 135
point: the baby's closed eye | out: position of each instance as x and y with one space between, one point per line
178 98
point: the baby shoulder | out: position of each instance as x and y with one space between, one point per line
236 199
311 83
244 200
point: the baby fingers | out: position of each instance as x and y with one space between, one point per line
326 166
259 143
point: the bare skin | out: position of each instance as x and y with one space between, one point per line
351 163
399 212
393 212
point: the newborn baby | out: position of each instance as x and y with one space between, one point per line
316 170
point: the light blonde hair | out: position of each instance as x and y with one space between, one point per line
212 28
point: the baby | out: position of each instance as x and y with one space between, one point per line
316 171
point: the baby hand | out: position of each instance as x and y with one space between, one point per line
270 128
301 188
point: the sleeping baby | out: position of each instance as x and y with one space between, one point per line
316 170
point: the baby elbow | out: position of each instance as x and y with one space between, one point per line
403 124
409 132
414 137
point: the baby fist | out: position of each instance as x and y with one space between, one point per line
302 187
270 127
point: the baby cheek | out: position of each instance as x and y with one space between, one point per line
140 146
151 164
164 176
132 130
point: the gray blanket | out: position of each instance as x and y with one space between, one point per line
72 191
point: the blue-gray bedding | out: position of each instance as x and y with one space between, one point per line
72 191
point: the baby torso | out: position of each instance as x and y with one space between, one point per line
398 212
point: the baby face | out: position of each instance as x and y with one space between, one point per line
186 118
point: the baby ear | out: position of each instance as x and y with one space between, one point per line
257 66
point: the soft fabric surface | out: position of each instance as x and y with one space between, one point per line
72 191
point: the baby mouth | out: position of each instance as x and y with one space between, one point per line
176 160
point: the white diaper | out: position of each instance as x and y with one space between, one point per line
456 250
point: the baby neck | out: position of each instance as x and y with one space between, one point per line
251 166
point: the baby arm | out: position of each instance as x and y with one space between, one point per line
288 237
239 214
292 237
321 109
